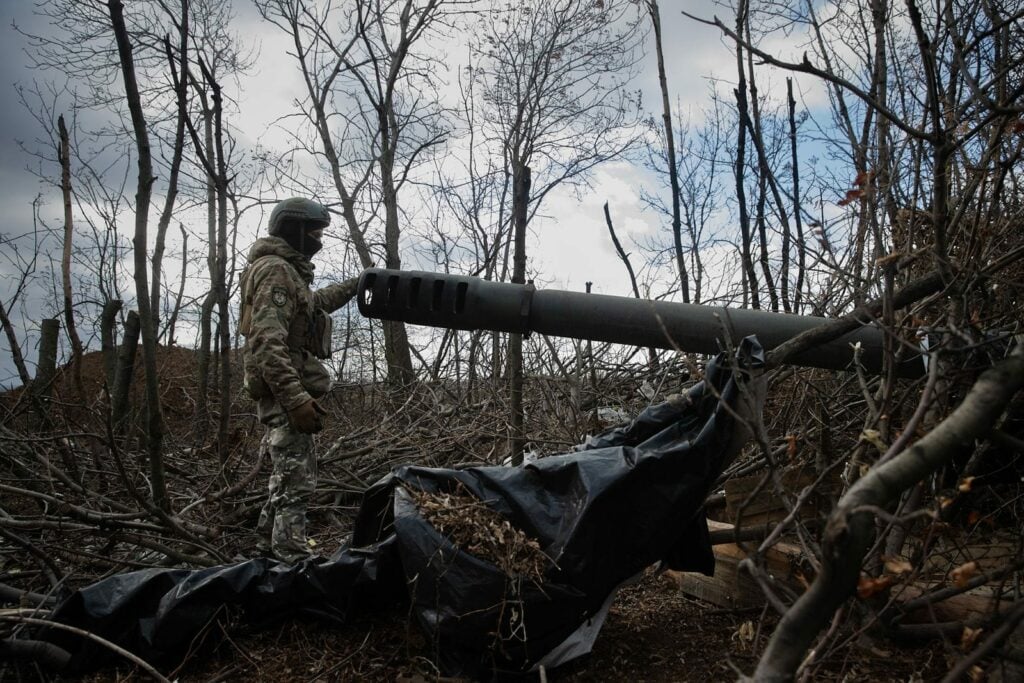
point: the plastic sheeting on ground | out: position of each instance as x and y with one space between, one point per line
628 498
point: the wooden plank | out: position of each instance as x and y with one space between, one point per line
973 605
730 587
766 506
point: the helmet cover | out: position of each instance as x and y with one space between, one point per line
298 209
292 220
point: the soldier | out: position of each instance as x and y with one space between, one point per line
287 330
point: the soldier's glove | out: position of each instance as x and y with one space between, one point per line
306 417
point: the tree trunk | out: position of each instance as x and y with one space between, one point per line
801 247
125 370
12 341
181 90
520 201
209 301
65 261
652 353
155 426
223 314
396 341
46 368
172 320
760 222
108 344
740 169
670 153
766 181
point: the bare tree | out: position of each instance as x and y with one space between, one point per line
670 152
143 194
373 110
64 154
177 155
552 78
652 353
701 162
923 104
24 270
218 58
751 287
81 48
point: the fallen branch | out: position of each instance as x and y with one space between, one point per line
849 534
38 651
141 663
958 672
16 596
954 590
49 568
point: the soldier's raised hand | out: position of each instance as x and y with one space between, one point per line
306 417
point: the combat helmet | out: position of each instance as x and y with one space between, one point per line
298 209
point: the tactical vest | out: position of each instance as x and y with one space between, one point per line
309 331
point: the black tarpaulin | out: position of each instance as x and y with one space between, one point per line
628 498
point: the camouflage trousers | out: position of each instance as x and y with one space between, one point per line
292 483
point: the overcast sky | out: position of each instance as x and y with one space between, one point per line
16 186
569 245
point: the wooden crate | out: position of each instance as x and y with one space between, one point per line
730 587
766 506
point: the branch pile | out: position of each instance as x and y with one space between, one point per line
475 528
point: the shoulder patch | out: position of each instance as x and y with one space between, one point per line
279 295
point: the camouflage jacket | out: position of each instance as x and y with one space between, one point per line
286 325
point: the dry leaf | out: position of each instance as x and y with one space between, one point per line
969 637
883 261
874 437
966 484
791 446
897 565
745 633
868 586
477 529
850 196
964 573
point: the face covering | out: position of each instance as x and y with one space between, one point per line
310 245
301 241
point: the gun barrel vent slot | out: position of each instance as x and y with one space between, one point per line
460 297
392 290
435 301
367 292
414 292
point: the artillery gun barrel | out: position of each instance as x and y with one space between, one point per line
470 303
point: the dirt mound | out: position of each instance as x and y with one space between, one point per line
178 381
